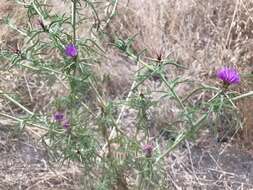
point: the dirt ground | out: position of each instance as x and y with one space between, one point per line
24 164
211 165
200 34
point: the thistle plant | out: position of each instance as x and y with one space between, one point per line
71 50
87 127
228 76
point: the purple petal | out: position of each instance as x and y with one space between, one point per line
148 149
228 76
71 50
58 116
66 124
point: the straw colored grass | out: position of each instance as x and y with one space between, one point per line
203 35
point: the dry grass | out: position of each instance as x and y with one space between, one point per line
204 36
24 162
200 34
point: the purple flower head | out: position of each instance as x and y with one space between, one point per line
58 116
41 24
71 50
148 149
228 76
66 124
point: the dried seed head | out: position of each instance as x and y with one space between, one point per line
58 116
148 149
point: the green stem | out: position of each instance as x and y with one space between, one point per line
111 15
181 137
37 9
162 76
116 128
230 100
73 22
215 96
191 93
17 103
203 87
27 122
74 2
173 92
243 96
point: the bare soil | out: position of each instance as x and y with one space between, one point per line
24 164
203 35
211 165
